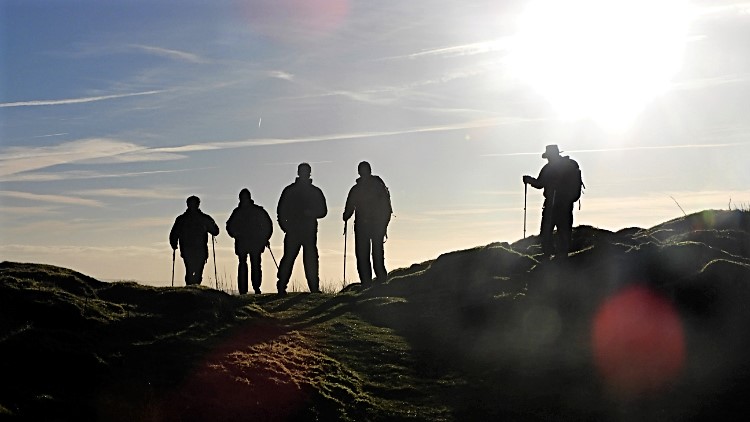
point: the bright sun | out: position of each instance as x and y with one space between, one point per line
600 59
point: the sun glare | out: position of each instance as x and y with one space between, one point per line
600 59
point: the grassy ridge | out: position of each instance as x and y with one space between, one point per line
486 333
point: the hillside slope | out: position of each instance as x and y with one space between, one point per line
641 323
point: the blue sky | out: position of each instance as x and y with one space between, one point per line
112 113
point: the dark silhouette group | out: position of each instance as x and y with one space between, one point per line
302 204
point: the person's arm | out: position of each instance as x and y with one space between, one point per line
174 234
266 226
349 207
211 226
537 183
322 210
281 211
230 224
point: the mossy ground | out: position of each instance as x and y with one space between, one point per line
490 333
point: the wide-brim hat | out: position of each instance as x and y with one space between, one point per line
551 150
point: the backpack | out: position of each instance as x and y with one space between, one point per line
380 196
571 182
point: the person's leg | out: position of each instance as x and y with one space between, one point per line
545 232
242 273
362 252
188 270
378 256
198 274
564 223
310 260
193 268
255 270
291 250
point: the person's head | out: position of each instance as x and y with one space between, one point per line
193 202
304 171
551 152
245 195
364 169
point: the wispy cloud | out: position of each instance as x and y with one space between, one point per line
703 83
734 8
80 175
280 74
55 199
68 101
51 135
20 159
469 49
15 160
73 250
169 53
156 193
472 124
28 211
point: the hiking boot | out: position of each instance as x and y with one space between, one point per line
281 293
257 291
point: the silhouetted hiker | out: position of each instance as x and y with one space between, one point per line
370 199
251 227
300 206
561 180
190 231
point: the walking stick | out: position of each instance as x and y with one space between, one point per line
346 224
173 267
213 248
274 258
525 194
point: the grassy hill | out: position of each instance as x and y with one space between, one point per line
638 324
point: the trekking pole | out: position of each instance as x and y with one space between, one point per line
173 267
525 194
346 224
213 247
274 258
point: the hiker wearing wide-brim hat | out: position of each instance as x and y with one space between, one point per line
551 151
561 180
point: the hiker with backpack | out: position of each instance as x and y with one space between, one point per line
300 206
190 232
370 200
561 180
251 227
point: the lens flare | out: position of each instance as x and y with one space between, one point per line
295 20
638 342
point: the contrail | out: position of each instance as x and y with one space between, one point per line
76 100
